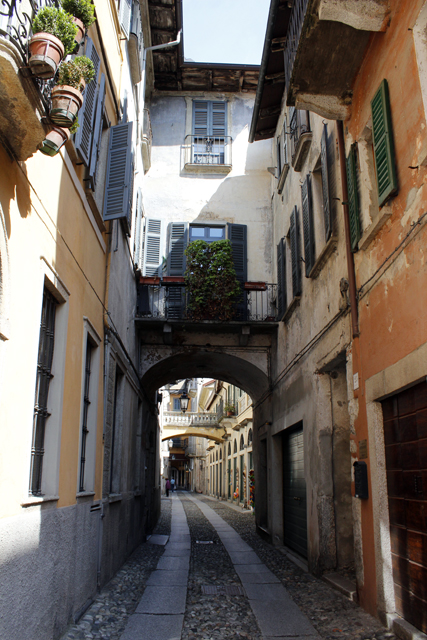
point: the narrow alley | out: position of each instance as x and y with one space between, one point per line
205 574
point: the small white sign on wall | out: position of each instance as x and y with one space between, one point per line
355 381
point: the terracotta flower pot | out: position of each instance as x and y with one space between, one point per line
66 102
80 30
54 140
46 52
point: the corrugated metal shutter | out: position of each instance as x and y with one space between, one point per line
383 144
308 227
119 179
97 132
86 115
281 278
125 14
152 247
295 253
327 213
353 199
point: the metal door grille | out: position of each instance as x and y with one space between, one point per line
44 376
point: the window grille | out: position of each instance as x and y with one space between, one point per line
86 403
44 376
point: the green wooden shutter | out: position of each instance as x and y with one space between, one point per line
281 278
327 212
86 115
353 199
125 14
119 179
295 253
97 132
152 247
385 163
308 226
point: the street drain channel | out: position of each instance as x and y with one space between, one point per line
222 590
204 541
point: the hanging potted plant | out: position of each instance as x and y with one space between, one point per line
229 409
53 38
56 138
67 96
83 13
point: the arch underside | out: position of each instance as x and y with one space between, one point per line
216 434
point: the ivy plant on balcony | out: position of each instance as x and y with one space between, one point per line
210 280
54 37
67 97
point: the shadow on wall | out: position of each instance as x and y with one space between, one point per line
14 185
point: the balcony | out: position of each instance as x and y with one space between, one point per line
159 299
300 136
175 419
208 154
136 44
325 45
24 100
146 140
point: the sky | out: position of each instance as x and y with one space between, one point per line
227 31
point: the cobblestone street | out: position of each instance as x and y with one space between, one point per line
223 597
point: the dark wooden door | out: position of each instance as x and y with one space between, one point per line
294 492
405 434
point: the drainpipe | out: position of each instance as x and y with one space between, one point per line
350 260
156 47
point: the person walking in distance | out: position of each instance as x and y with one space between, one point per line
173 484
168 486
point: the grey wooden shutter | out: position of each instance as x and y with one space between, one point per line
200 118
279 157
138 244
237 234
86 115
128 218
97 132
383 144
152 247
295 253
308 227
177 242
119 179
218 119
353 199
281 278
327 213
125 14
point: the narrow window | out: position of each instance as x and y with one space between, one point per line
86 404
295 253
281 278
44 376
308 226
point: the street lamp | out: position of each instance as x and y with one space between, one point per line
184 398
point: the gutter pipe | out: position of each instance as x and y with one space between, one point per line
156 47
350 259
264 62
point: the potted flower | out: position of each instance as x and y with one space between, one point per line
67 97
83 13
53 38
229 408
56 138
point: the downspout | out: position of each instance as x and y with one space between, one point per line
156 47
350 260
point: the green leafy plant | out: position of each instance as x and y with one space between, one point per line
210 280
72 72
74 126
58 23
81 9
229 407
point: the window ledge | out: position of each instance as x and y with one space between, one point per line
295 302
301 151
114 497
32 500
282 178
326 252
383 215
207 168
85 494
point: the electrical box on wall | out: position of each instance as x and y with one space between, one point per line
361 480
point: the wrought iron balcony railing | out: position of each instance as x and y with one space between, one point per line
301 136
170 301
208 151
296 21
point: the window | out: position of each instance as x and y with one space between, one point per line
300 136
281 278
229 448
208 146
308 225
250 437
86 404
295 241
206 233
44 376
116 432
235 447
176 404
385 165
242 443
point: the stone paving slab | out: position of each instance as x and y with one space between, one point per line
158 539
168 578
177 553
244 557
152 627
280 618
174 563
162 600
267 592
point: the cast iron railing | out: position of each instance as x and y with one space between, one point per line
169 301
190 419
16 17
296 21
207 150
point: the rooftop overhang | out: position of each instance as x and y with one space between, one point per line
173 73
